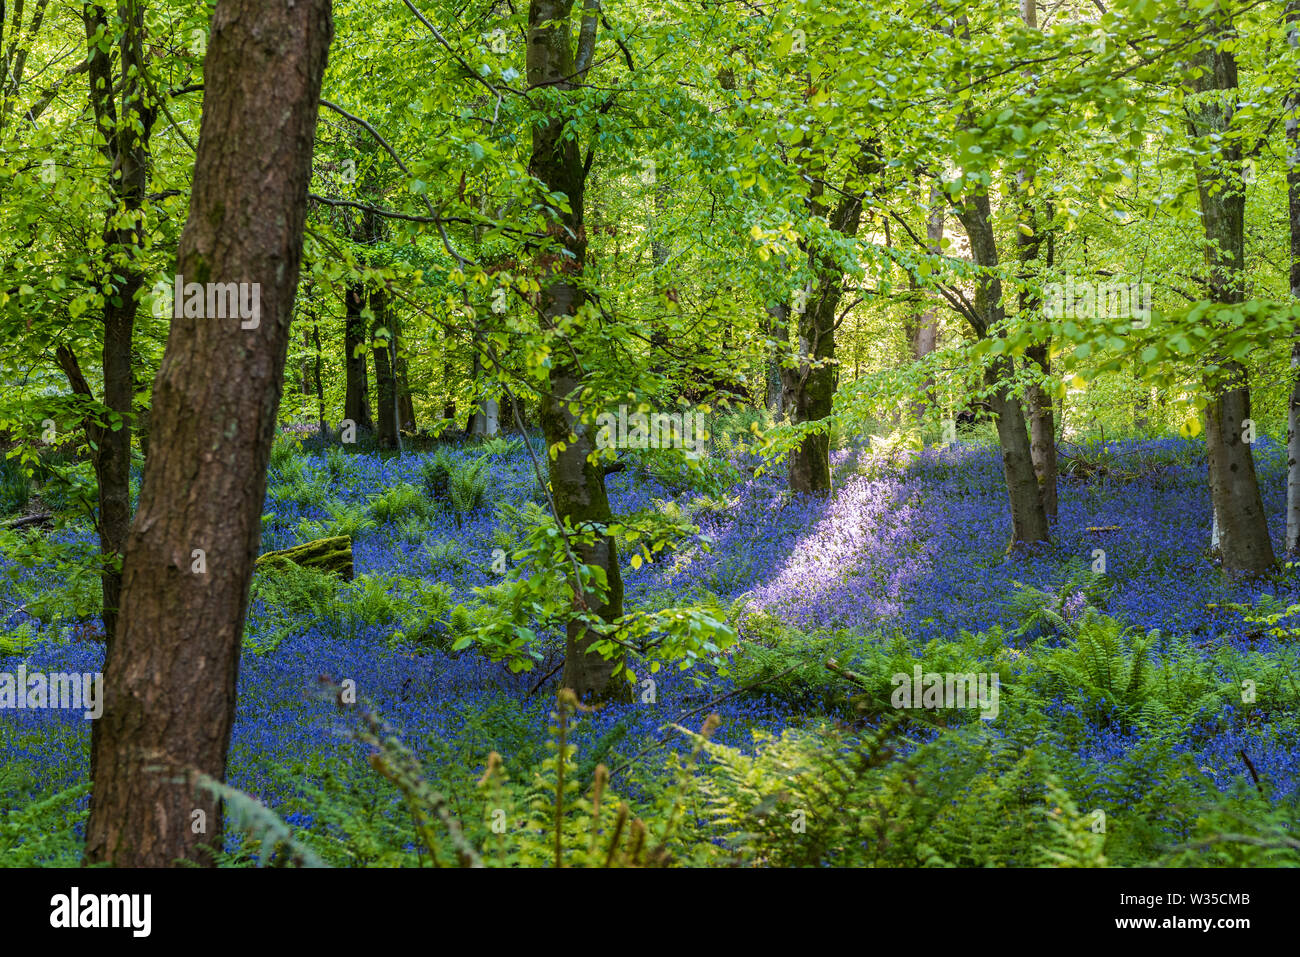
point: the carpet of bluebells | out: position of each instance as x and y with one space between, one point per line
917 548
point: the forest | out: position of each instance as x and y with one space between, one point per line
602 433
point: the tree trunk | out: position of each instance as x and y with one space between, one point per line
1293 203
1042 432
171 672
1028 518
809 388
386 424
405 404
484 421
778 331
125 142
1042 420
1243 527
356 398
923 329
320 385
577 484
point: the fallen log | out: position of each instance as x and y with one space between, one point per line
42 519
332 555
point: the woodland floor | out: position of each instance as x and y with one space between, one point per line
915 549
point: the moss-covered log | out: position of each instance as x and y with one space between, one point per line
332 555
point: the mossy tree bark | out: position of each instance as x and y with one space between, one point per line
577 485
809 388
333 555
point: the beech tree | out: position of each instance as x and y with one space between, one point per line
577 481
1243 536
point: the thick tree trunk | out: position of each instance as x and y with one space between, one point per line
1244 545
1244 542
171 672
809 387
577 485
1028 518
356 396
113 460
1293 204
1042 432
386 410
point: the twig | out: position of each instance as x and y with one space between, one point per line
542 680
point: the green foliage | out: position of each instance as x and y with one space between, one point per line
680 471
274 840
434 620
338 464
286 456
344 519
38 833
1113 676
18 639
411 531
73 593
370 600
846 672
561 819
399 502
460 485
829 797
1057 611
299 489
500 447
467 487
446 555
435 474
15 486
69 487
291 597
